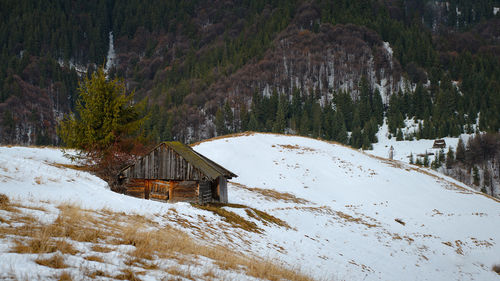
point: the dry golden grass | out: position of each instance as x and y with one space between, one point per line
400 221
65 276
38 180
128 274
101 249
4 200
248 133
273 195
56 261
71 166
94 258
496 268
266 218
150 242
98 273
230 217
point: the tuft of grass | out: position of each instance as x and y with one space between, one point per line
400 221
38 180
71 166
4 201
71 224
41 242
65 276
94 258
56 261
496 268
178 272
98 273
128 274
101 249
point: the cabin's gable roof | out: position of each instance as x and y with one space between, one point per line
205 165
198 162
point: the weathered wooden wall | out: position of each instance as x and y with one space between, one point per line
136 188
184 191
169 191
222 190
163 163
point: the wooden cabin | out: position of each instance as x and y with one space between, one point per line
439 144
174 172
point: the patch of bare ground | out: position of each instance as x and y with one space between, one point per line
4 200
139 242
238 221
301 149
128 274
496 268
71 166
65 276
266 218
248 133
232 218
273 195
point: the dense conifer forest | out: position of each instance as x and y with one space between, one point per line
183 57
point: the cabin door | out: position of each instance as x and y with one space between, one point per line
204 192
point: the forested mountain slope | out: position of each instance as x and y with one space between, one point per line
193 59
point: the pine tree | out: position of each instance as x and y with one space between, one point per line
243 118
399 135
356 139
475 176
426 159
460 154
228 118
486 179
450 158
104 115
378 107
342 136
280 123
304 124
253 124
220 123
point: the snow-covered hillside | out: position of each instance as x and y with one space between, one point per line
404 149
347 215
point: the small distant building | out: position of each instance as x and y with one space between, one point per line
174 172
440 143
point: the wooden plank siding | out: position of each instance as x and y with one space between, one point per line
136 188
163 163
174 172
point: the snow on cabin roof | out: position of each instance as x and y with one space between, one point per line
202 163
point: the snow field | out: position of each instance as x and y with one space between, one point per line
342 206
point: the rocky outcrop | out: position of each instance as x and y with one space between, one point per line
331 59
